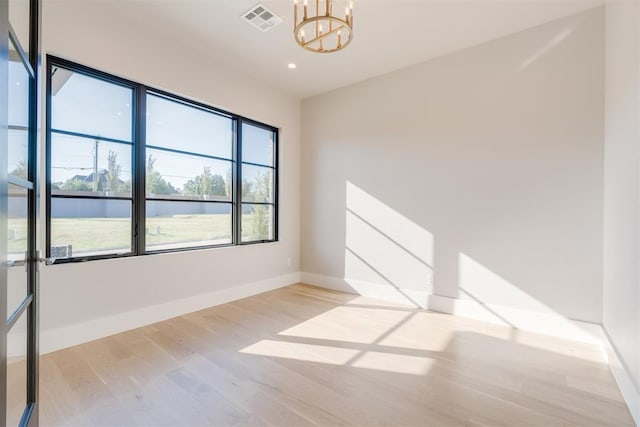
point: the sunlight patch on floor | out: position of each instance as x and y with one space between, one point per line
298 351
396 363
365 325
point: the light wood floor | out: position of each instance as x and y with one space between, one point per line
303 356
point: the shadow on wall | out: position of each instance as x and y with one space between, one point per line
389 256
383 246
472 182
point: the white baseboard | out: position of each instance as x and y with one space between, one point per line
626 385
542 323
550 324
57 339
407 297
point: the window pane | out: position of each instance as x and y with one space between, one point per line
17 222
19 19
17 371
257 184
90 106
18 153
17 234
257 223
182 176
81 227
187 224
18 90
77 169
17 287
180 127
258 145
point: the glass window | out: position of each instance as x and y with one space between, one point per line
185 148
186 224
17 222
171 169
89 106
19 11
86 226
18 152
257 223
18 90
88 166
16 371
258 145
181 176
17 235
177 126
90 172
258 184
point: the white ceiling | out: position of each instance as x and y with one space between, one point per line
388 34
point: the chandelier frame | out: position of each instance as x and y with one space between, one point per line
333 25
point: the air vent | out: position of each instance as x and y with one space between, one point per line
261 17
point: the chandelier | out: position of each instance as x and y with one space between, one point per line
319 30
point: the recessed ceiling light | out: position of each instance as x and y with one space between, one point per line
292 66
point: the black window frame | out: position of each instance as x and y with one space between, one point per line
138 173
240 163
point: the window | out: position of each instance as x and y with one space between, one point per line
132 170
90 164
258 183
189 166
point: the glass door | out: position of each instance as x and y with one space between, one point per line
19 66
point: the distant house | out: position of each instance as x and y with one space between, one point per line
102 180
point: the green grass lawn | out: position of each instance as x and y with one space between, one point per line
90 235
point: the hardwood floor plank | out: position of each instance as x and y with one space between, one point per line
305 356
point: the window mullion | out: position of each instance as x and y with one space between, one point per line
237 220
139 170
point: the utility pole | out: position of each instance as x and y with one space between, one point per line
95 165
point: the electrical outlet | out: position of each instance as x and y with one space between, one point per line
288 261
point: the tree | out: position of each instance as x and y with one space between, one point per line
113 172
21 170
125 187
76 184
262 187
206 184
260 221
156 184
228 182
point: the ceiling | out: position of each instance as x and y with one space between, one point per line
388 34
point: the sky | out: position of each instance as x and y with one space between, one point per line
18 112
90 106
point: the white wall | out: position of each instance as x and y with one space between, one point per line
75 294
621 293
475 176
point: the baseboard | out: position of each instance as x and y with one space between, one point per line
549 324
68 336
542 323
407 297
629 391
57 339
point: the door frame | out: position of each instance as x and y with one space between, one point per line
30 416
